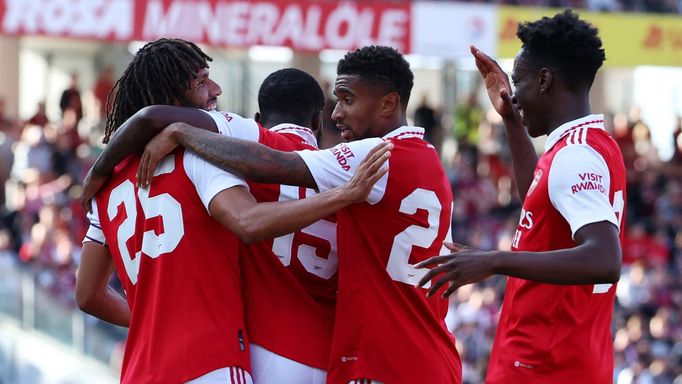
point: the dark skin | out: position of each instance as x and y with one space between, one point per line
93 294
132 136
546 102
381 114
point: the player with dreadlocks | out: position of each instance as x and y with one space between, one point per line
177 263
160 73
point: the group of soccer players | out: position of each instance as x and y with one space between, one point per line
316 277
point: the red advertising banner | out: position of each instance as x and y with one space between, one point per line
302 25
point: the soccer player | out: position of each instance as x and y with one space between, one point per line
290 282
293 277
566 253
386 330
178 265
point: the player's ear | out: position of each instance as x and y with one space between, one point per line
545 80
257 117
316 121
390 104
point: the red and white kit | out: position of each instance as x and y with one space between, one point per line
385 328
179 268
561 333
289 282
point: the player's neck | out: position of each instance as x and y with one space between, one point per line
568 109
278 118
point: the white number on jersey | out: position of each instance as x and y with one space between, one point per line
163 205
398 266
283 246
618 207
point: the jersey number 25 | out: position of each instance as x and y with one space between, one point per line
163 205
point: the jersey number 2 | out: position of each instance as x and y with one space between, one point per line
163 206
398 266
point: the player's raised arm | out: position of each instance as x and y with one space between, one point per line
523 154
243 158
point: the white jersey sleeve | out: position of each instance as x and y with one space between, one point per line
95 229
335 166
579 184
208 179
230 124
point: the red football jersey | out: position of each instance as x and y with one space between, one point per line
561 333
385 327
179 268
289 282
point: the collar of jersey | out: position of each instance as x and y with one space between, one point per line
405 132
589 121
303 132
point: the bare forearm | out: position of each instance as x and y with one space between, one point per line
138 130
112 308
524 157
274 219
246 159
573 266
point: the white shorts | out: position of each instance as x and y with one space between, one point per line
271 368
225 375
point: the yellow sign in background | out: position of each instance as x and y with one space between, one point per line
629 39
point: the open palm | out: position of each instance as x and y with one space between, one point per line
496 82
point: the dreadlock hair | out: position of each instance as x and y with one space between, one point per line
160 73
290 92
382 65
568 46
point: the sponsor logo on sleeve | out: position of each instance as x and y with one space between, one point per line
343 153
589 181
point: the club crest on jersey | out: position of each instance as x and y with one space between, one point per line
536 180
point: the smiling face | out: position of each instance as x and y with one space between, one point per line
203 92
528 97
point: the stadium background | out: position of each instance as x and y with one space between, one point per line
44 151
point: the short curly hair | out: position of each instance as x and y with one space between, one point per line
290 91
383 65
565 44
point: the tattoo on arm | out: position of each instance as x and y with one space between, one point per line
247 159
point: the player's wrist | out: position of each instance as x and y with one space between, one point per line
176 133
346 195
497 262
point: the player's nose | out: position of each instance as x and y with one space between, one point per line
215 89
337 114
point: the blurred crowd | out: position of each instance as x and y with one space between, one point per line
42 164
